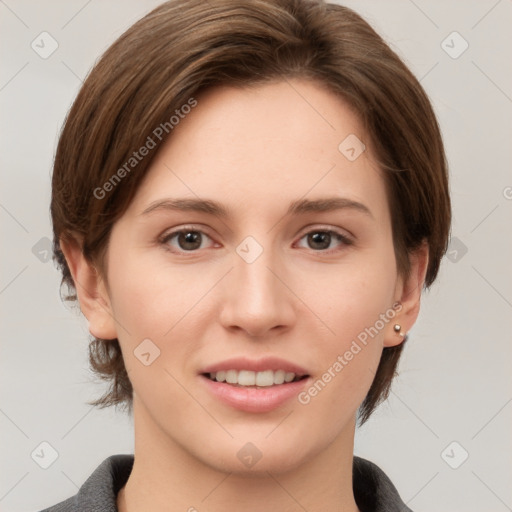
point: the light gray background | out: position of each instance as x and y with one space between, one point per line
455 378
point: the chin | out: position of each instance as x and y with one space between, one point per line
255 458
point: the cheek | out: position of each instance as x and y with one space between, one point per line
150 305
354 296
356 310
165 304
149 297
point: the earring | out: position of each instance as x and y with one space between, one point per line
398 329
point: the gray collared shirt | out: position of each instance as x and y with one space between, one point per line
373 490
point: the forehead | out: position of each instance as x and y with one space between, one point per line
260 146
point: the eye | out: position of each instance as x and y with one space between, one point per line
187 240
320 240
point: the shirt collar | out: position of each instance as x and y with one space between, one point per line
373 490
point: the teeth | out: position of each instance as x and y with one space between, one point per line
280 375
231 376
246 378
265 378
249 378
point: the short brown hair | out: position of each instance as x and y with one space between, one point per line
185 46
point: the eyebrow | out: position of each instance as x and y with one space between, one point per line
216 209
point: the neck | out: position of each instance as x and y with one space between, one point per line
166 477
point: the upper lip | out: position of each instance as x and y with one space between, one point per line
255 365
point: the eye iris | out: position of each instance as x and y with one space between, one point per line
189 237
318 238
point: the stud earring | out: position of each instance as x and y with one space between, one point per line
398 329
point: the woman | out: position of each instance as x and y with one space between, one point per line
248 199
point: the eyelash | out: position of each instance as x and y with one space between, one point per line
164 239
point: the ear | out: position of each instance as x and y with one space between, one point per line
408 295
90 289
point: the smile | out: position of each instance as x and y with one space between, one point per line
248 378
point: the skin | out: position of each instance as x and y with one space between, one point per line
255 150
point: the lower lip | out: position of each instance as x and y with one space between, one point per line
254 399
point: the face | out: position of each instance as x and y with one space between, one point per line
266 286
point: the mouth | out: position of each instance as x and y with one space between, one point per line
254 385
252 379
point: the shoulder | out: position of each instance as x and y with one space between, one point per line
373 490
99 492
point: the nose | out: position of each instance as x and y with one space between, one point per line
258 297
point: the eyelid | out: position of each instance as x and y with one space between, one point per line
345 233
183 227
